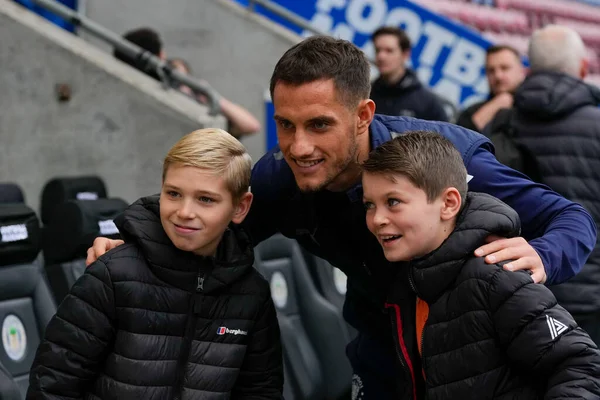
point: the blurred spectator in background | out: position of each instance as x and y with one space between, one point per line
148 40
239 120
556 118
398 91
505 72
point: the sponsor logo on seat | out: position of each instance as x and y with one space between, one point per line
14 338
86 196
13 233
108 227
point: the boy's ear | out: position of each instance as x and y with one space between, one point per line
451 203
242 207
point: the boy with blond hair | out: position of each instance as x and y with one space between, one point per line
482 332
178 311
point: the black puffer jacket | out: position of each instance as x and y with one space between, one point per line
408 98
493 333
558 120
148 321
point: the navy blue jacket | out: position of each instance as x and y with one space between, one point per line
333 226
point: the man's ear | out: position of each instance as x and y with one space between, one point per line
451 203
242 207
364 112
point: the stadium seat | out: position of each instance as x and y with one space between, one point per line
70 231
300 358
59 190
26 303
11 193
9 390
331 283
322 320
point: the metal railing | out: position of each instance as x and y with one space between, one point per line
146 60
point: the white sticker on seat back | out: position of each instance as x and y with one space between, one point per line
87 196
13 233
108 227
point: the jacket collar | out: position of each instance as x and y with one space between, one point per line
551 95
140 224
408 82
481 216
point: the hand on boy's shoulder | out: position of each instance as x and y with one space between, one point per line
520 254
100 246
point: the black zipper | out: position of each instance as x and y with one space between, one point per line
423 351
184 351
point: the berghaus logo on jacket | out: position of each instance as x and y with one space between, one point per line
223 330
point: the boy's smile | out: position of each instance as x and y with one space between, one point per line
404 222
195 208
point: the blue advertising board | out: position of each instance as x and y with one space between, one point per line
447 56
50 16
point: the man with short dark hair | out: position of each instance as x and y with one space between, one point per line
147 39
309 188
505 72
397 91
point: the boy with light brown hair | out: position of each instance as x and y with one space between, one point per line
481 332
178 311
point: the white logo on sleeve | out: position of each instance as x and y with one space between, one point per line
556 327
469 177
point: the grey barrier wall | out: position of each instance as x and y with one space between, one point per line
230 47
118 123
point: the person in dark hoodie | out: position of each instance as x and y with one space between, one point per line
556 120
397 91
482 332
178 311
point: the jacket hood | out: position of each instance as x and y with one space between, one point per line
481 216
140 224
550 95
409 81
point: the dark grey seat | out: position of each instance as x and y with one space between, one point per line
70 231
9 390
59 190
323 321
331 283
303 372
26 303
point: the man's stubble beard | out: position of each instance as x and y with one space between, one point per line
351 158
